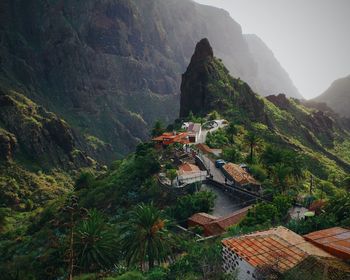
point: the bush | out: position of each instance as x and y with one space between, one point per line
282 203
188 205
131 275
157 274
258 172
261 213
217 139
312 224
231 154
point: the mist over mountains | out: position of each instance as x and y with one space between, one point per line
111 68
337 96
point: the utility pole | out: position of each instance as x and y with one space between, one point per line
311 184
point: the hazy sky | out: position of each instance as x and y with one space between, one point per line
310 38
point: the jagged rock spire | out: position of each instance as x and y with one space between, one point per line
202 51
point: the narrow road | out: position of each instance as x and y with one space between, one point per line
224 204
217 174
204 132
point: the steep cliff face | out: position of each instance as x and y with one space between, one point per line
337 96
207 86
29 133
271 77
111 68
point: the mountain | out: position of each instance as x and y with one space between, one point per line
207 86
271 76
337 96
40 152
112 68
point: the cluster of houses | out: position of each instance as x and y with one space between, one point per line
191 135
255 255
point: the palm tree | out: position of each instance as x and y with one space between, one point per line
281 173
231 131
253 140
144 236
96 245
157 129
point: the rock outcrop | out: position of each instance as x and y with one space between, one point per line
38 135
207 86
8 144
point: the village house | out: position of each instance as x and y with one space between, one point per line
278 248
189 173
168 138
240 177
213 225
194 131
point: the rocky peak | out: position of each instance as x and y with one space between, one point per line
207 86
202 51
280 100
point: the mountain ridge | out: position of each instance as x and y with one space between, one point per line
111 69
337 96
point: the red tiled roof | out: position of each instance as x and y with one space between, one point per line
266 250
204 148
188 167
335 241
170 137
274 246
233 218
219 225
239 174
201 218
317 205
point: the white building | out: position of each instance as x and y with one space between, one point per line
194 131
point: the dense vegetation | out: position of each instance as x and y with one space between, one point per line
122 222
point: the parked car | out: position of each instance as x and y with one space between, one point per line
219 163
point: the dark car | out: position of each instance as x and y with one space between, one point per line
219 163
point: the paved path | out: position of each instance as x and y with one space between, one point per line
217 174
224 204
204 132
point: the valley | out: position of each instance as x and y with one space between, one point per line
154 140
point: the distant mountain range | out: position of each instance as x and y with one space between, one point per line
337 97
271 77
111 68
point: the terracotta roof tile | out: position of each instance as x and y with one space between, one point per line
278 246
266 250
202 218
239 174
334 240
204 148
